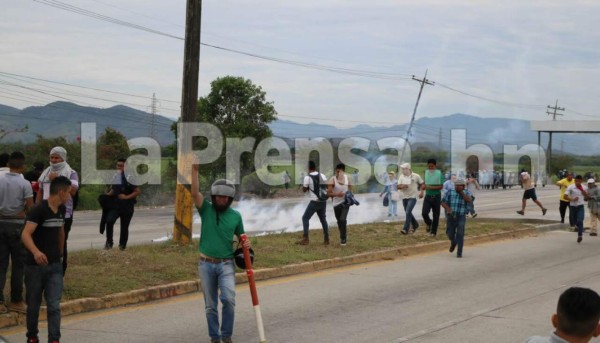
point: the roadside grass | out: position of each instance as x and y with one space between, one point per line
96 273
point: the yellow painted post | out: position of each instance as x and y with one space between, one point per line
182 230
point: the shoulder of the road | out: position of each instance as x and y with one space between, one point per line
76 306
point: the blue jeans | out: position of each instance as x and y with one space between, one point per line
46 281
319 208
455 230
409 205
471 208
392 206
578 213
12 249
217 277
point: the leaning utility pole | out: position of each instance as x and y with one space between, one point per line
182 230
549 151
423 82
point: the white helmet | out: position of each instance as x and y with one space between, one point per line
223 187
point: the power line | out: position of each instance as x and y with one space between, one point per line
94 15
499 102
65 92
84 87
122 115
355 72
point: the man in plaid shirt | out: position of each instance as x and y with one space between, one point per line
455 203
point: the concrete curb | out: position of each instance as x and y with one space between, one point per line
186 287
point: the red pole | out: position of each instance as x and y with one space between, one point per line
252 284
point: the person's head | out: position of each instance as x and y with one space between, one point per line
16 162
392 174
4 157
453 178
431 163
121 164
60 188
405 167
340 168
591 183
312 166
222 193
569 176
577 313
58 154
38 166
459 185
578 180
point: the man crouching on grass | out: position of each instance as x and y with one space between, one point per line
455 203
44 239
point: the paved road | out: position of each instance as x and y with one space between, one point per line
285 215
498 292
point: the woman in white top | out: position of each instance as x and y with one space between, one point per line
337 186
472 186
409 184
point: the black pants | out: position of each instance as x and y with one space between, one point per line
341 213
563 209
432 203
11 249
68 223
125 214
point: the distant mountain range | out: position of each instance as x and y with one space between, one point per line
63 119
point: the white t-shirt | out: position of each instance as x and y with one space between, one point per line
413 181
572 191
308 182
338 187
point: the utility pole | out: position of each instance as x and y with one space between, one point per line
423 82
549 151
153 118
182 229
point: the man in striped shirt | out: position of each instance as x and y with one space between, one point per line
455 203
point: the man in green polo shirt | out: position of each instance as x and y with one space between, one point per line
216 266
434 181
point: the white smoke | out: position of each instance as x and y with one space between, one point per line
285 215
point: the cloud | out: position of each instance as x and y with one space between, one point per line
513 51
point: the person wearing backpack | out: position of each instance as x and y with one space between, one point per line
316 184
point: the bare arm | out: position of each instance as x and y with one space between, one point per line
28 204
197 197
40 194
28 230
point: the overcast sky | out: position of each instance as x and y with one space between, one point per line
519 55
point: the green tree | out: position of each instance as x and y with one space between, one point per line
111 145
239 109
40 151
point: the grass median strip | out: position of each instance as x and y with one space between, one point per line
96 273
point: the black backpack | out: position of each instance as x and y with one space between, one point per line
319 189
